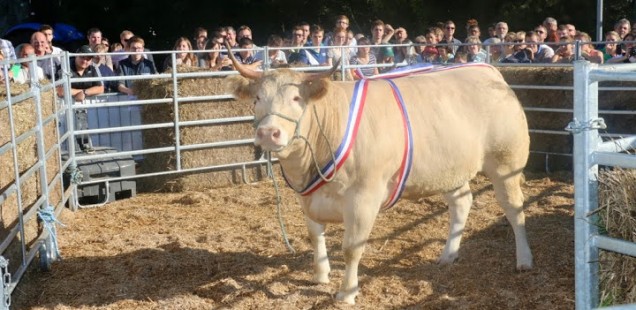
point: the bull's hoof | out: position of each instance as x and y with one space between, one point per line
321 278
524 262
524 267
447 260
346 298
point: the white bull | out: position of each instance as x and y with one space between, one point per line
463 121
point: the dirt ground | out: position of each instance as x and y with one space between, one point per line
222 249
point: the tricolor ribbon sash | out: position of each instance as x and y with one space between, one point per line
355 114
356 109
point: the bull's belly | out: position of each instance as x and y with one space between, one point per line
419 186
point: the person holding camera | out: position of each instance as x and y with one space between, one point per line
588 52
565 52
542 53
629 51
612 51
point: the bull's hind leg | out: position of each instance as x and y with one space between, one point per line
321 260
459 203
507 184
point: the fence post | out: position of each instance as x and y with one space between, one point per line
586 140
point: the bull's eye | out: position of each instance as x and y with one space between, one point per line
257 100
297 98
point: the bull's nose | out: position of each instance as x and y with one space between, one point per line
268 135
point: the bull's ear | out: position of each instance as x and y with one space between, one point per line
316 89
241 87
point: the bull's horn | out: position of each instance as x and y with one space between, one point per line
322 74
243 70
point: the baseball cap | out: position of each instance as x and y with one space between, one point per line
84 49
387 51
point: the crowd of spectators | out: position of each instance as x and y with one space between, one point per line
311 45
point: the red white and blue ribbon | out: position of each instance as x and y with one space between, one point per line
356 107
407 155
397 72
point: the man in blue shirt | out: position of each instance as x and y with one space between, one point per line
135 64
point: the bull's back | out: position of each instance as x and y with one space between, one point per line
461 119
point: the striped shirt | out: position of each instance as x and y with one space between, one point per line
369 71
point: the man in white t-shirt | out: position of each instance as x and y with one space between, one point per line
48 32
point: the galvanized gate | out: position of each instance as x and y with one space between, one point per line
32 190
590 152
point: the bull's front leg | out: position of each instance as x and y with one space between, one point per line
359 217
321 260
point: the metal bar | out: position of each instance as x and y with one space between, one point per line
585 190
623 67
175 109
618 145
206 98
614 159
218 121
551 153
615 245
166 149
188 170
619 307
555 110
542 87
603 75
549 132
95 105
198 146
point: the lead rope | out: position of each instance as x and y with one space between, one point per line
313 155
279 213
270 172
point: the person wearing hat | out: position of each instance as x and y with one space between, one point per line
81 67
387 56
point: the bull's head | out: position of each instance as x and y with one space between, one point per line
280 98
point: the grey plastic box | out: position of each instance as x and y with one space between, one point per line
102 168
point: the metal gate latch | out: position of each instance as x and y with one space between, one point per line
575 126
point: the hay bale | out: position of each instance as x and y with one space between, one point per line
617 202
152 114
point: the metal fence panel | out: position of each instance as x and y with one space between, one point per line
587 142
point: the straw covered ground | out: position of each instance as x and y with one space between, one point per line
222 249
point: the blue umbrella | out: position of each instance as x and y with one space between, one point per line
63 33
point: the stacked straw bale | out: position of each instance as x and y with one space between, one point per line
617 210
199 110
24 119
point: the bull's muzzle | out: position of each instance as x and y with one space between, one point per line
270 138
